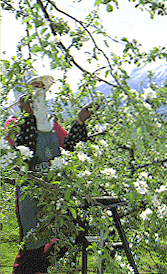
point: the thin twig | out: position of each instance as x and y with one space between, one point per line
28 44
62 46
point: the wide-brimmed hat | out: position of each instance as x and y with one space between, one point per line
47 80
15 94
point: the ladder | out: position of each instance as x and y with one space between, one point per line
112 204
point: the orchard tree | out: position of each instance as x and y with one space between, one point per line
125 155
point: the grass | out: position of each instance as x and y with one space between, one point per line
151 267
8 253
9 250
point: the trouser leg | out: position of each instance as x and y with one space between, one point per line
31 261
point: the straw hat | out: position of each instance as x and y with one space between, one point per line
47 80
19 90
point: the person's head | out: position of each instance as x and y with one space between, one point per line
26 104
21 101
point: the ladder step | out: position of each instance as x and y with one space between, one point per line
95 239
92 239
118 245
115 246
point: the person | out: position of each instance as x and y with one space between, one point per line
44 139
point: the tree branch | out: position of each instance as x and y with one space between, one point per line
161 162
62 46
28 44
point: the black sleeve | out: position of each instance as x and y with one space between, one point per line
77 133
28 133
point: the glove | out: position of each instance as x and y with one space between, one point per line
85 113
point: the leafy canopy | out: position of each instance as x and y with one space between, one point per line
128 161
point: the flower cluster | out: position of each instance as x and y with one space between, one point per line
7 154
149 93
162 211
7 159
144 214
141 186
161 189
57 163
25 152
4 143
109 172
83 157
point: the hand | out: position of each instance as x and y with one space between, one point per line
25 104
85 113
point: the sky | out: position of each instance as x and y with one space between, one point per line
123 22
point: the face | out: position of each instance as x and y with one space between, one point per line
38 84
25 104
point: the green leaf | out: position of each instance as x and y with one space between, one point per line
106 1
97 2
44 43
36 6
54 64
29 26
43 30
38 23
109 8
50 175
73 212
27 19
35 48
67 194
55 182
124 39
106 73
6 63
97 23
73 33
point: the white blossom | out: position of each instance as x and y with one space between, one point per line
57 163
96 150
144 214
7 159
23 168
161 189
131 270
103 143
157 124
99 128
141 186
162 211
157 239
147 105
118 257
59 203
149 94
109 171
83 157
4 143
84 173
123 264
25 152
64 152
143 175
155 200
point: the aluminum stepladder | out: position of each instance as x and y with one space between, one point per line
112 204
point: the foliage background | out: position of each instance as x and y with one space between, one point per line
128 162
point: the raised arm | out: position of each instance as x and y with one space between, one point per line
78 131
